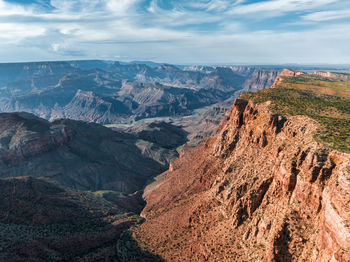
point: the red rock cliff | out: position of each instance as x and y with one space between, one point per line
262 189
286 73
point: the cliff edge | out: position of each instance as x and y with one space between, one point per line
267 187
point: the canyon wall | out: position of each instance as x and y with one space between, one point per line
262 189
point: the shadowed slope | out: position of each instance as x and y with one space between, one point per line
74 153
40 221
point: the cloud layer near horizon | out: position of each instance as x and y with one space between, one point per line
176 31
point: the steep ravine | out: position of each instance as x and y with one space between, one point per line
262 189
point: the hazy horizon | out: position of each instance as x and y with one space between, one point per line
183 64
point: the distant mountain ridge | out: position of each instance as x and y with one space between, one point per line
121 92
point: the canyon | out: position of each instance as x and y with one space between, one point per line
183 170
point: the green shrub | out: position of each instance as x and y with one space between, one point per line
324 100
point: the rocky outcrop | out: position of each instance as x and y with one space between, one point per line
286 73
262 189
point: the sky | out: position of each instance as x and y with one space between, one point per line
177 31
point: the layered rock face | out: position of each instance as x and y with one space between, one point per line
262 189
260 79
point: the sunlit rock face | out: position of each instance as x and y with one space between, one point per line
262 189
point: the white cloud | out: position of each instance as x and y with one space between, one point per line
281 6
328 15
212 5
14 33
120 7
7 9
106 29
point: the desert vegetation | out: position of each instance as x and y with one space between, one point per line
323 99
